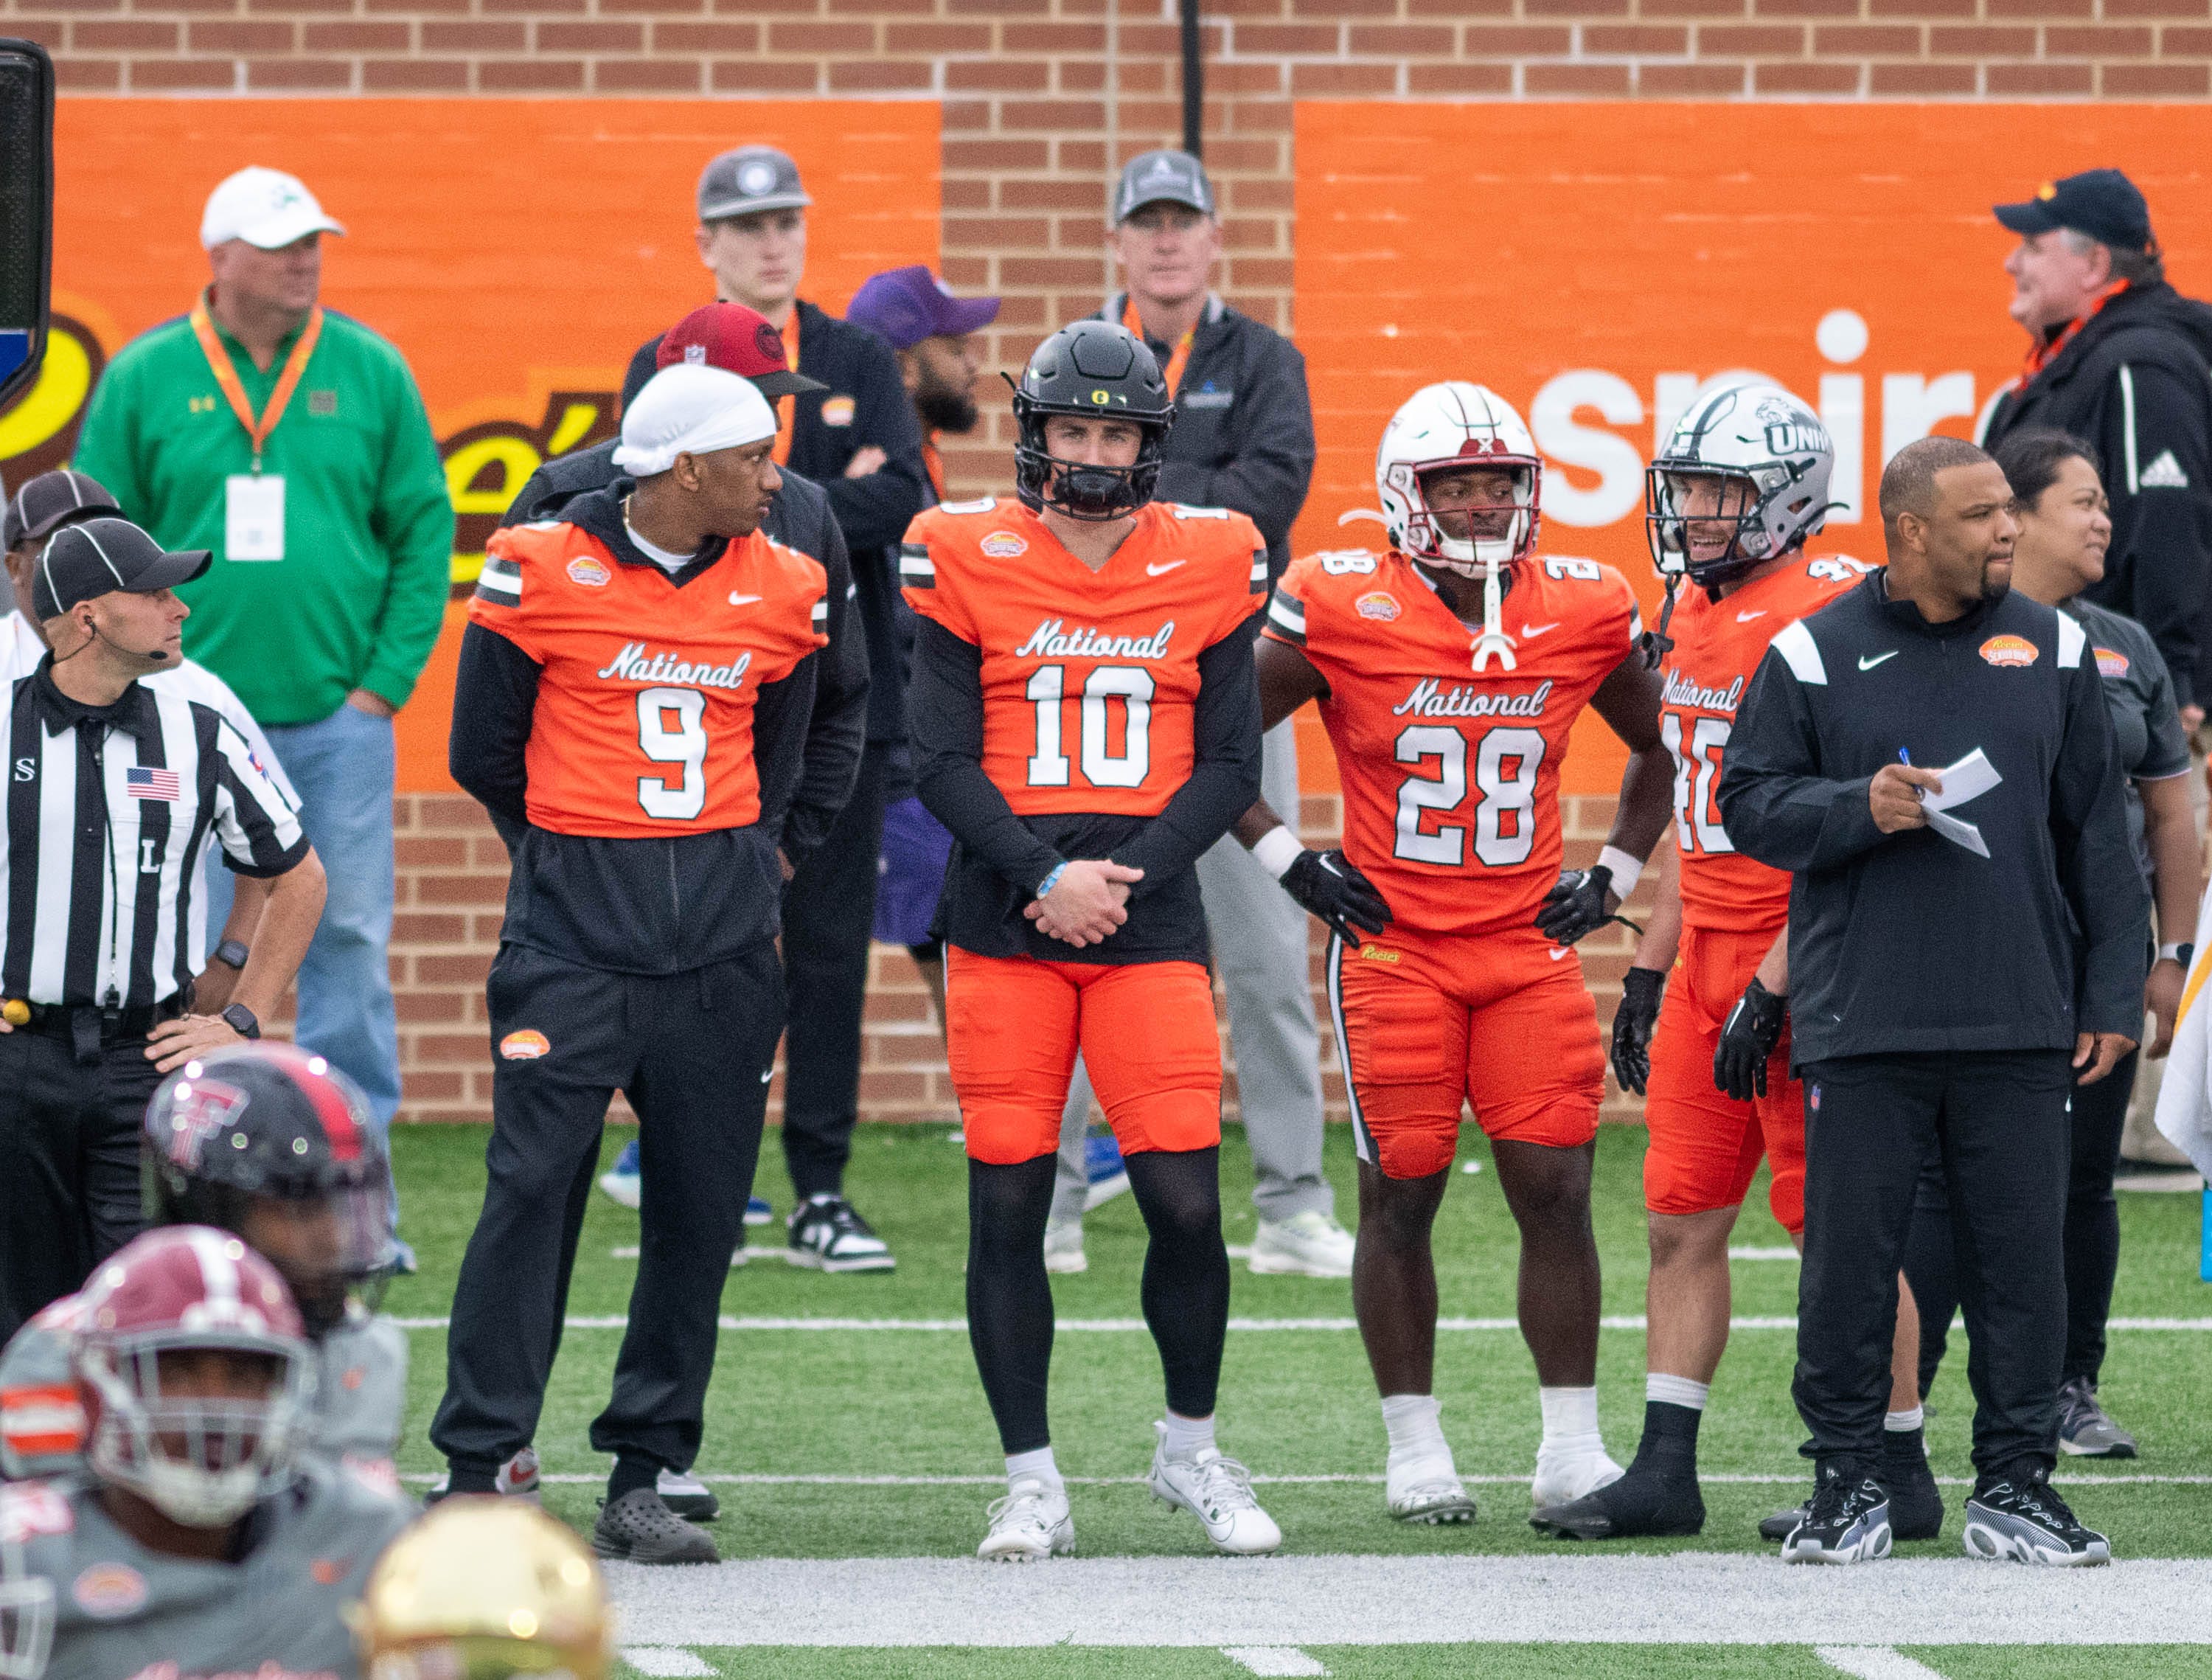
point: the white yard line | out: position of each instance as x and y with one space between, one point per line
1874 1662
1283 1659
671 1660
1686 1598
1129 1326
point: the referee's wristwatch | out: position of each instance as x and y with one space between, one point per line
242 1021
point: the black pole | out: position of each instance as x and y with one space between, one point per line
1194 83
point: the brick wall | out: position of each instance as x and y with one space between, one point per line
1041 98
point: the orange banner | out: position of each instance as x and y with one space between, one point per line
1594 263
517 251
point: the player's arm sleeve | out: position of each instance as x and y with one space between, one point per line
412 521
2163 455
1224 772
2096 861
783 716
1776 804
944 718
494 699
874 511
256 823
1268 476
838 727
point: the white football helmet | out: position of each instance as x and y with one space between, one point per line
1457 424
1756 459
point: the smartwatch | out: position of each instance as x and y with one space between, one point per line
242 1021
2177 954
232 953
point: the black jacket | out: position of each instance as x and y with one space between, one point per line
1243 434
640 906
799 518
2135 383
862 373
1908 941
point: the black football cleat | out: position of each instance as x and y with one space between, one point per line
1642 1502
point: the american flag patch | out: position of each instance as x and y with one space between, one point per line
140 782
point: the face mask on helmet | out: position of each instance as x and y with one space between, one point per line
1091 370
1743 479
1468 519
199 1425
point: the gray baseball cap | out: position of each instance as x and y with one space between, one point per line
1152 177
750 179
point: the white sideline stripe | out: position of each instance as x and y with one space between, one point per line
1688 1598
748 1254
1118 1326
1874 1662
1272 1660
1780 1479
672 1660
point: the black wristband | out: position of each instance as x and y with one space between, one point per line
231 953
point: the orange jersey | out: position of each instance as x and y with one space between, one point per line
1717 647
1451 779
644 721
1089 678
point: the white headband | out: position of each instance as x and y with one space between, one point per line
687 409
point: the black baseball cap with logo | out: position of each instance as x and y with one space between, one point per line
1164 177
50 501
100 556
2104 203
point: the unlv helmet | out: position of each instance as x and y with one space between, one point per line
268 1127
1092 368
199 1451
1456 425
1761 458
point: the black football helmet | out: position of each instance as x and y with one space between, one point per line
274 1144
1093 368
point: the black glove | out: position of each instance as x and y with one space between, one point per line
1576 905
1754 1027
1330 887
1640 992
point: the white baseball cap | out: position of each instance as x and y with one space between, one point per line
264 207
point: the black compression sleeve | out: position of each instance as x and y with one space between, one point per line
838 728
1224 772
945 713
494 699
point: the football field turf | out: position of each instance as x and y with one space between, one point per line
848 1440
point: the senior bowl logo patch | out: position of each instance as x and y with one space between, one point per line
837 410
1379 605
525 1045
590 573
2111 662
1003 545
2008 651
108 1591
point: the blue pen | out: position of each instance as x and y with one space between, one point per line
1904 758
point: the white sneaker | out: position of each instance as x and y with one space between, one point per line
1564 1477
1428 1489
687 1496
1031 1522
1217 1491
517 1479
1308 1244
1063 1247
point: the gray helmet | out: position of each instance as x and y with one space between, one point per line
1093 368
1773 457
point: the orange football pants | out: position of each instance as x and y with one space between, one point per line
1705 1146
1013 1026
1427 1023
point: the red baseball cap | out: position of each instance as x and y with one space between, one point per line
739 341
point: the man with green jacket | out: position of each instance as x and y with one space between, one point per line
291 441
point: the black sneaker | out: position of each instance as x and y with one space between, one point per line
1847 1520
1644 1501
1782 1524
639 1528
2085 1429
1916 1503
2020 1517
828 1234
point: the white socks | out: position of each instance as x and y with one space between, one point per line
1411 1422
1035 1466
1679 1391
1903 1423
1570 1421
1186 1437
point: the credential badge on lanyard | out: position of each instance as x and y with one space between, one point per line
253 503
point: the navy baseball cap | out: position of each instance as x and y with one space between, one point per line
2104 203
907 304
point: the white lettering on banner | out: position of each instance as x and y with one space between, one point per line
1618 467
635 665
1682 691
1430 698
1050 640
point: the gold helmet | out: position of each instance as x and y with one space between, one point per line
485 1589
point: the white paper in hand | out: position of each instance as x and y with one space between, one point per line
1970 778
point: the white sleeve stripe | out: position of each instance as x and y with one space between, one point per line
491 585
2128 425
2071 641
1284 611
1802 654
916 565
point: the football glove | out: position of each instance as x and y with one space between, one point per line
1753 1028
1576 907
1330 887
1641 989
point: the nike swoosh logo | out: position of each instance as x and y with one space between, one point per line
1557 952
1746 618
1162 571
1532 631
1866 663
743 600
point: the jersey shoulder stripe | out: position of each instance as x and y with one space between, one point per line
1802 654
2071 641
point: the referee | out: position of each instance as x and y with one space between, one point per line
1953 977
115 792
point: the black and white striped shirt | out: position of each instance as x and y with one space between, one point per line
110 813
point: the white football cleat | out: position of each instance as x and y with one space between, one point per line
1308 1244
1428 1489
1564 1477
1030 1523
1063 1247
1217 1491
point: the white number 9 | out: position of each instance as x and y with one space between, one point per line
684 744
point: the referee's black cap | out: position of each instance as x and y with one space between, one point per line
51 500
2104 203
101 556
